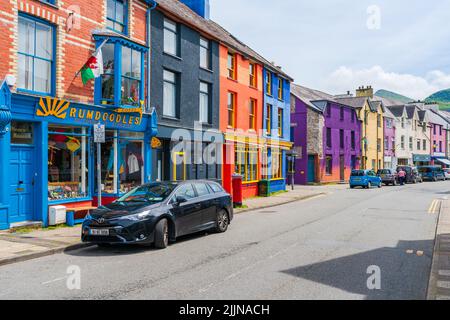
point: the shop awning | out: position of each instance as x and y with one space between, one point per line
444 161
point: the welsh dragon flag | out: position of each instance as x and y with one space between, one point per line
93 68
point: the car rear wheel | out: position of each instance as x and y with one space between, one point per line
223 221
162 234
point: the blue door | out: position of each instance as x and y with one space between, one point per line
311 169
21 184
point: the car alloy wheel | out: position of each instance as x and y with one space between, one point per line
162 234
222 221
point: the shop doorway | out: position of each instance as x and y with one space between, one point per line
311 169
22 173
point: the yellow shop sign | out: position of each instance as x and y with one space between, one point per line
63 110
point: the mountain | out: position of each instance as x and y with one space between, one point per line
393 96
441 97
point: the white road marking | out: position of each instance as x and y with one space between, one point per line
444 273
54 280
443 284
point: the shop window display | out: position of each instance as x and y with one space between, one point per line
131 161
67 163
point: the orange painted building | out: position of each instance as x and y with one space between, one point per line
241 116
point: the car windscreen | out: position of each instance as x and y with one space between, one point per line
358 173
384 171
153 193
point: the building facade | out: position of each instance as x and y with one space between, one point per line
370 113
241 119
390 159
276 127
185 91
47 154
332 133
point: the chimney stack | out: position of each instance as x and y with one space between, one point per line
364 92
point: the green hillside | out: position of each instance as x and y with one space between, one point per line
442 98
393 96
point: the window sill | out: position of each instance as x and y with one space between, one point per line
67 201
253 87
231 79
35 93
171 118
206 69
172 56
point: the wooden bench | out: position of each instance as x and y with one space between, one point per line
71 212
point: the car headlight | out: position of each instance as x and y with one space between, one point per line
138 217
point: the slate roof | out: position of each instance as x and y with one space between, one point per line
422 115
410 111
374 105
387 102
355 102
397 111
215 31
388 113
315 99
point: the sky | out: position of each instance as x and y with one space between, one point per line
338 45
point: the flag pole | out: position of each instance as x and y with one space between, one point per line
95 52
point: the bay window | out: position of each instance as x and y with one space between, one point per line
121 84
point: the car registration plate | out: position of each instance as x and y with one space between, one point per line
99 232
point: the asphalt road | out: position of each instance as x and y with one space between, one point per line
315 249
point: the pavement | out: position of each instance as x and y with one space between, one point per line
350 244
18 246
439 285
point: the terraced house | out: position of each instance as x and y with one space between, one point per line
185 90
276 127
328 133
49 108
370 113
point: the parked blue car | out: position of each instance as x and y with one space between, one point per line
365 179
432 173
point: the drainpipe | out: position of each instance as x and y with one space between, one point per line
149 45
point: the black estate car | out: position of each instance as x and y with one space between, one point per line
157 213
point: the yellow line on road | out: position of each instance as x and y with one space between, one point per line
435 205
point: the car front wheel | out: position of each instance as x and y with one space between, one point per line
222 221
162 234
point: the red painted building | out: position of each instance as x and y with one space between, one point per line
240 118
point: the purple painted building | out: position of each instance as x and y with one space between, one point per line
327 136
389 140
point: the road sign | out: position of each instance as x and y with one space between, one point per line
99 133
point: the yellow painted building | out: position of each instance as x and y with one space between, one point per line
370 113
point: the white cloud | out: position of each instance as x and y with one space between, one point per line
416 87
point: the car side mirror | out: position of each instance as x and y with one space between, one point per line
180 200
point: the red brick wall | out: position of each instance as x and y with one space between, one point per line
73 46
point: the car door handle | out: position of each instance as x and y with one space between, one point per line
21 182
197 206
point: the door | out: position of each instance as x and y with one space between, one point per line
311 169
22 184
209 203
188 215
342 167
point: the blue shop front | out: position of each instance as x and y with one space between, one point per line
47 155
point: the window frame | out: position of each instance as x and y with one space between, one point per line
280 115
252 113
232 72
280 89
114 21
269 89
118 44
202 93
207 48
231 109
253 80
52 79
268 119
175 84
276 173
175 32
249 170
